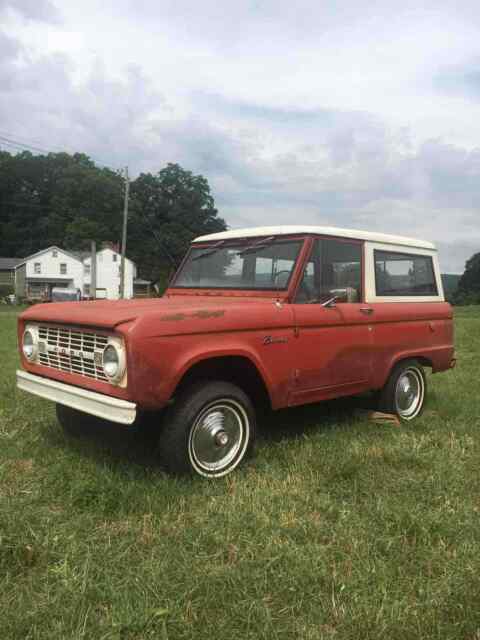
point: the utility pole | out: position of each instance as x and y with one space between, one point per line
124 235
93 270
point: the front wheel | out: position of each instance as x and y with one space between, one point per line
405 391
208 431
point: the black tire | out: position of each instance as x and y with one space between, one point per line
208 420
405 392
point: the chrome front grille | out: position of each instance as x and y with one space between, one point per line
72 350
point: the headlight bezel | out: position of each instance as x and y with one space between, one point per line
119 348
32 330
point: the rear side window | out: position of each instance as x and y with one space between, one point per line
402 274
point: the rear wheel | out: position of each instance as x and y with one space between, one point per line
405 391
208 431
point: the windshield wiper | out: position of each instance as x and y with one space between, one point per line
209 250
256 246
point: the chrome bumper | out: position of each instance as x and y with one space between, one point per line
96 404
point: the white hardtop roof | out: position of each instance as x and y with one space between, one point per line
370 236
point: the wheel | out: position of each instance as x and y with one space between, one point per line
208 430
405 391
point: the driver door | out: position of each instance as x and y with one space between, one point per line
333 342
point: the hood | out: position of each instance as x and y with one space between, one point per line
109 314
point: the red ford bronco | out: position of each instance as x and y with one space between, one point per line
285 315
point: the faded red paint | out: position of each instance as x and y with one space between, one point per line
304 352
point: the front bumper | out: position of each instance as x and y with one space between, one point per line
96 404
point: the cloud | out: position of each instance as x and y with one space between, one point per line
41 10
283 133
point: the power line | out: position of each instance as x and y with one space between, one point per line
29 143
12 142
9 139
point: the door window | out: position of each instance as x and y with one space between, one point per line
334 269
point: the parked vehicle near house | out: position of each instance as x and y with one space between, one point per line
281 316
65 294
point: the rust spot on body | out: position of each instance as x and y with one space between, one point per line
174 317
203 313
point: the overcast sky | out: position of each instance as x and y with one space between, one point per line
348 113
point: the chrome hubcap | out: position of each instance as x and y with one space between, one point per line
218 437
221 439
409 393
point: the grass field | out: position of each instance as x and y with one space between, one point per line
339 528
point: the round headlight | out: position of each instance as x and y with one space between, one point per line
113 365
28 345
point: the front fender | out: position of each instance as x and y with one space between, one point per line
160 363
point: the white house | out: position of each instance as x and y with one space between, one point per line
37 274
108 274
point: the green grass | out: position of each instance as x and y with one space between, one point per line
340 528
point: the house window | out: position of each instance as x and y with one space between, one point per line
63 268
86 289
37 267
114 257
54 253
86 269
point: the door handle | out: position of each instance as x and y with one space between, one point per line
366 310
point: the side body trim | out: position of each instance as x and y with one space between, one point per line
95 404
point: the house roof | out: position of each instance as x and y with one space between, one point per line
87 254
39 253
337 232
9 263
81 255
73 253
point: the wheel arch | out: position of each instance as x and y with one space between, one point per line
422 359
237 369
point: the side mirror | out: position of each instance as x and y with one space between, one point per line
336 295
330 303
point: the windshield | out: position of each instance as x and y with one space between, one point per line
258 264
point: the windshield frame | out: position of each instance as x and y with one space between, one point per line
243 244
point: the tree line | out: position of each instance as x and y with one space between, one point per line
67 200
468 291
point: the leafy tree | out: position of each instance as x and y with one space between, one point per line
470 280
68 201
469 285
169 209
56 199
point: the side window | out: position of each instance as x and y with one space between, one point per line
37 268
63 268
402 274
341 269
334 269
